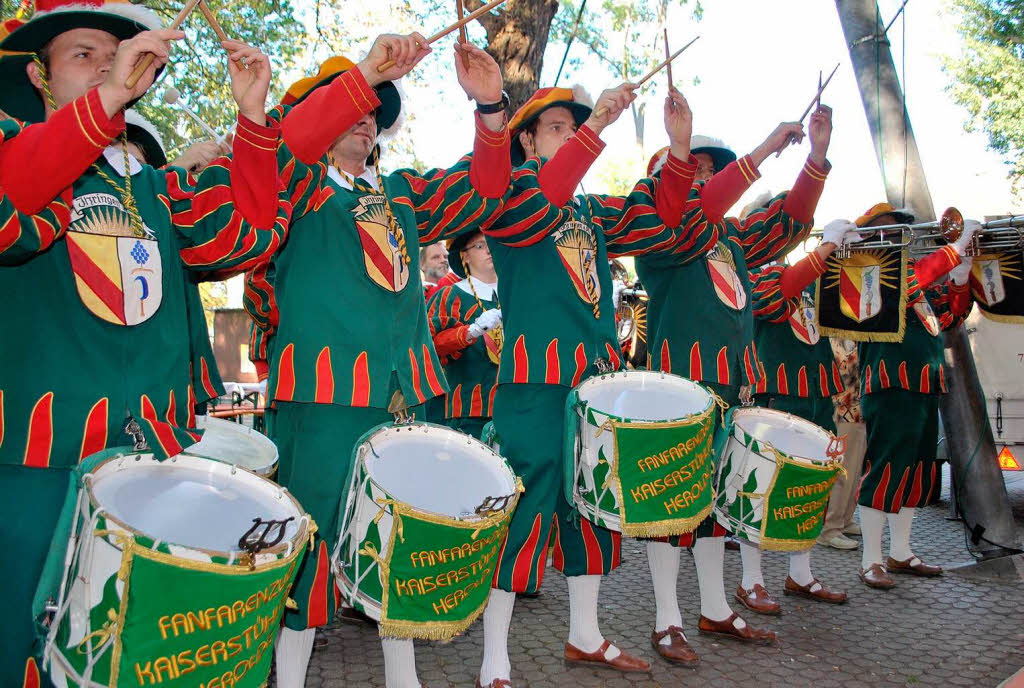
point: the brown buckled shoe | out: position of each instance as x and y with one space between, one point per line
913 566
678 651
814 591
758 600
728 629
875 576
496 683
623 661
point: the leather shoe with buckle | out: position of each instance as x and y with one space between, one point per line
496 683
758 600
622 661
728 629
913 566
814 591
678 651
875 576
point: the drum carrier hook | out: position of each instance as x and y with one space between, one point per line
603 365
252 547
493 505
134 430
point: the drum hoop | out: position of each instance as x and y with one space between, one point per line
796 458
305 521
432 516
242 430
583 406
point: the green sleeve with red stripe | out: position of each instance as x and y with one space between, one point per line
448 328
768 302
259 302
527 216
767 234
949 303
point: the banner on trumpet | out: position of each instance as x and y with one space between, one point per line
997 285
863 296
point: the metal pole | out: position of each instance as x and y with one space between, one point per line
972 450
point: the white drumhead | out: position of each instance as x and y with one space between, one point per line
644 395
235 444
436 469
787 433
189 501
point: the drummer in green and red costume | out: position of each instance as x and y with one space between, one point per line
799 375
700 326
552 251
465 321
341 305
94 349
146 145
901 383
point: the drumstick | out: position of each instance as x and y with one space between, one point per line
815 99
147 60
212 19
463 38
452 27
668 67
601 111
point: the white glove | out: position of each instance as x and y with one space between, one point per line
962 272
263 388
961 244
486 322
617 287
836 230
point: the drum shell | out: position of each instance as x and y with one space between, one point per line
252 450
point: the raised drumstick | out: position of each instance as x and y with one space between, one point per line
212 19
452 27
601 111
463 38
146 61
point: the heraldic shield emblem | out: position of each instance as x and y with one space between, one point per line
927 316
997 285
119 277
382 255
728 286
494 340
804 321
860 290
578 251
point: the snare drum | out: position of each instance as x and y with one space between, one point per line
235 444
423 521
157 587
774 478
642 456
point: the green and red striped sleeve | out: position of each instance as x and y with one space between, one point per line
462 198
768 234
448 327
724 189
767 299
259 302
931 268
559 176
950 302
44 159
527 216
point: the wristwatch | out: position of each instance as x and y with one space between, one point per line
495 108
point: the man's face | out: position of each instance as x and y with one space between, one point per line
136 152
357 143
478 256
79 60
435 262
705 167
555 126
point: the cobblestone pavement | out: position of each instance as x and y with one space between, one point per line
949 631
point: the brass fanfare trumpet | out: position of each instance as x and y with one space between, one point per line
1004 234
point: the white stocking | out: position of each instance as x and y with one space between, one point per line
294 649
750 555
584 632
497 618
663 559
399 663
800 567
899 533
872 522
709 557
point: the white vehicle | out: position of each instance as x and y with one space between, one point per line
999 356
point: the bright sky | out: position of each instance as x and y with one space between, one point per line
758 64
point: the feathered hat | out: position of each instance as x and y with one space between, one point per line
721 154
142 133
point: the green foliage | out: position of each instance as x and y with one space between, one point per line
988 76
199 65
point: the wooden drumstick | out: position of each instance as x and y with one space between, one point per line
601 111
447 30
463 38
147 60
668 67
211 18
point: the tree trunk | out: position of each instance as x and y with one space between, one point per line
517 36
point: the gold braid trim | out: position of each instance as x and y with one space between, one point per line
392 222
496 333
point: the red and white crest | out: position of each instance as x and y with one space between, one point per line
382 255
804 321
578 250
927 316
727 283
